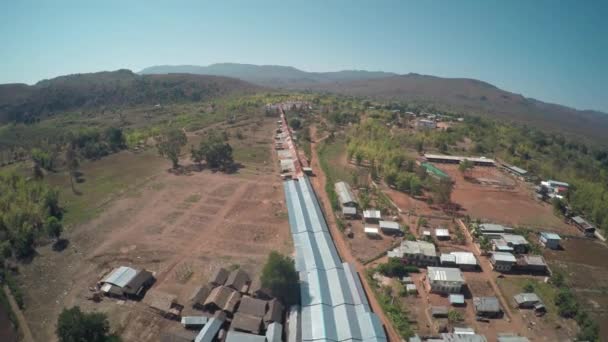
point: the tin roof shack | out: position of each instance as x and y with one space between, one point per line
502 261
466 261
444 280
274 313
126 282
252 306
487 307
516 171
390 228
478 161
194 322
246 323
372 216
345 195
210 330
237 336
198 296
526 300
519 243
492 230
532 263
439 311
587 228
457 299
219 277
442 234
274 332
419 253
222 298
349 212
424 124
502 337
549 240
238 280
294 324
372 232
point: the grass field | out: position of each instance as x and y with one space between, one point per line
104 180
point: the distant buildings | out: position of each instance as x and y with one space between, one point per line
419 253
425 124
532 263
492 230
478 161
444 280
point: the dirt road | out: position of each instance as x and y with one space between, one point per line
26 334
318 183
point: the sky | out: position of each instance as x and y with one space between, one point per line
554 51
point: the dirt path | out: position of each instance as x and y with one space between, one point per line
318 183
23 327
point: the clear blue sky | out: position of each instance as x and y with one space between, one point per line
555 51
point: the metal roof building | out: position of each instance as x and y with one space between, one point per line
345 194
207 334
121 276
334 305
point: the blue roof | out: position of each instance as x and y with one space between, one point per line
334 305
550 236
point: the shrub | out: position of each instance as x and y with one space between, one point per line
280 277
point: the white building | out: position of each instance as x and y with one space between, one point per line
444 280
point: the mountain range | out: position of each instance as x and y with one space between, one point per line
453 94
164 84
24 103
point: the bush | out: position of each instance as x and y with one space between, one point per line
396 268
73 325
566 303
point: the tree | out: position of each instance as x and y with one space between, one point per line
393 268
280 277
196 154
295 123
53 227
72 164
415 186
465 167
454 316
443 190
41 160
216 152
115 138
73 325
170 144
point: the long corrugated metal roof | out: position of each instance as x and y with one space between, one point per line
344 192
207 334
334 305
121 276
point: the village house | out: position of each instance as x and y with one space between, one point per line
532 263
487 307
345 195
492 230
526 300
442 234
372 216
549 240
126 282
424 124
444 280
519 243
502 261
349 212
466 261
587 228
390 228
419 253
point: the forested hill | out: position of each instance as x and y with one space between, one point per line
476 97
23 103
268 75
450 94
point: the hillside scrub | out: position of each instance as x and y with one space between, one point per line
27 208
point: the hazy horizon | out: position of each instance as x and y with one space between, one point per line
551 53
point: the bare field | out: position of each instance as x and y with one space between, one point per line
494 196
181 227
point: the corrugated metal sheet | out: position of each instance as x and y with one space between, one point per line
294 327
345 194
207 334
121 276
274 332
334 306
